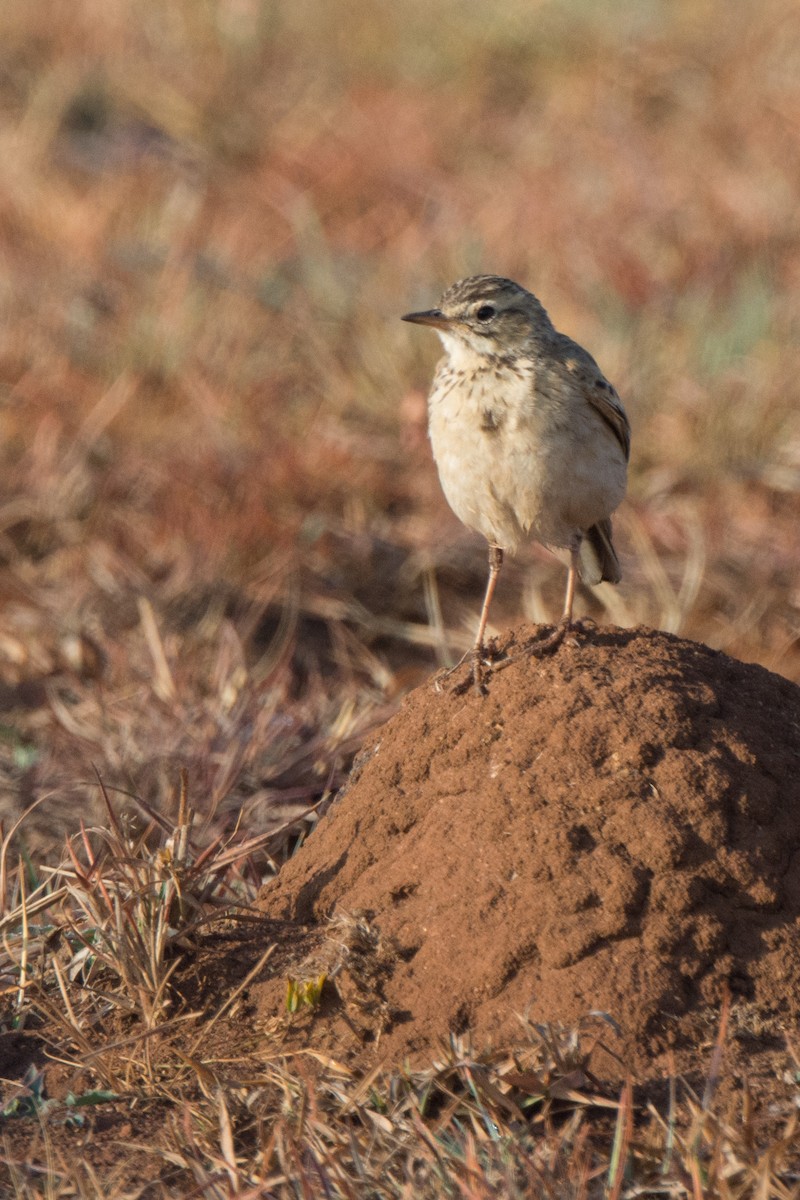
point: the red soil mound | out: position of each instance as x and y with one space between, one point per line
616 827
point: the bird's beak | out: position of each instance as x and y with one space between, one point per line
434 317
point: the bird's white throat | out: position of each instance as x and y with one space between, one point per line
464 355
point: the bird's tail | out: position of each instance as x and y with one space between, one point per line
598 557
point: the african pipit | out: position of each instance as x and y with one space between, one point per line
529 436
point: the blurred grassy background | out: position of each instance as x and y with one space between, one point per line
222 540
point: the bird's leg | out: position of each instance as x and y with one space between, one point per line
495 563
572 577
562 628
475 653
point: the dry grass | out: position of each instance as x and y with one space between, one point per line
100 955
223 549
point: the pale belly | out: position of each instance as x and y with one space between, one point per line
549 472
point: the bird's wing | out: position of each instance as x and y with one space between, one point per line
602 396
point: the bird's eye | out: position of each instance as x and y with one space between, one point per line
485 312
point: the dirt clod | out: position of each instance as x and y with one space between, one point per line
614 828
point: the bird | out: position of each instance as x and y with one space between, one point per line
529 437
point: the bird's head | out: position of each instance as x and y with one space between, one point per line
492 316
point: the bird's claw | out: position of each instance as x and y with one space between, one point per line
551 642
482 663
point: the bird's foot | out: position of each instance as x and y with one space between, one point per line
478 672
481 665
442 676
563 632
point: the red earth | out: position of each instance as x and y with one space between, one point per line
612 828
